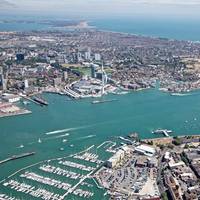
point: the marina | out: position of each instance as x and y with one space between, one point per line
76 165
59 171
77 186
31 190
88 157
45 180
78 168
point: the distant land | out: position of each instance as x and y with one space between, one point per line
50 23
161 28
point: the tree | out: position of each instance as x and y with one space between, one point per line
164 196
177 141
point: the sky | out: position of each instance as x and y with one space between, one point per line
102 8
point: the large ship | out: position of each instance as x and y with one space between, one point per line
40 100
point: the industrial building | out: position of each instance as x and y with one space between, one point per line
11 98
146 150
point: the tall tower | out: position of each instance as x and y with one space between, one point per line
93 71
3 82
104 79
26 85
88 54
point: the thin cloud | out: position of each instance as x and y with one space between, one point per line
6 4
168 2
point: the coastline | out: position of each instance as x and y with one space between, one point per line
85 25
144 35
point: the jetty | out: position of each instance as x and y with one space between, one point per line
40 100
14 157
165 132
30 99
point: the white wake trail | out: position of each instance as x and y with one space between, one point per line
60 131
56 137
86 137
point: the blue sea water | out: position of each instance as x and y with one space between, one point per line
179 28
16 26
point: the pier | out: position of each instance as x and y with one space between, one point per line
30 99
126 140
35 100
165 132
14 157
79 183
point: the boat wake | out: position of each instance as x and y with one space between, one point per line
86 137
181 94
68 129
56 137
21 146
65 130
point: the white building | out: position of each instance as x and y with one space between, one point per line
57 81
11 98
87 55
26 83
115 159
79 57
97 57
65 75
146 150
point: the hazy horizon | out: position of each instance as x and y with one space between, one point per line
89 9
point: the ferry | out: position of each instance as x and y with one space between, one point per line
103 101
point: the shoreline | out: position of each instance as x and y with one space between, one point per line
85 25
139 35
